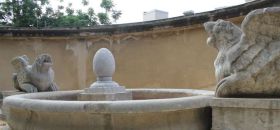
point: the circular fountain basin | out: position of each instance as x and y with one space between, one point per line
156 109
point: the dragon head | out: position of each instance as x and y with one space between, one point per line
20 62
43 62
222 34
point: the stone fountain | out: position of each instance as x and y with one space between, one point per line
247 70
106 105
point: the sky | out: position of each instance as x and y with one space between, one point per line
133 9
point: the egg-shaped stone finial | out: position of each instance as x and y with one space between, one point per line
104 89
103 64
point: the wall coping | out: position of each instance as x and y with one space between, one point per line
181 21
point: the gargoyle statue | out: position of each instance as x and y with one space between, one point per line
248 61
37 77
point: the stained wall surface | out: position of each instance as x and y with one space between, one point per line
164 58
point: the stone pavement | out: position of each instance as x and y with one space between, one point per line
3 125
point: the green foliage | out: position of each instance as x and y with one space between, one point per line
107 5
116 14
69 9
39 13
85 2
103 18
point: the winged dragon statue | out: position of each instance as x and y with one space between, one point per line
37 77
248 60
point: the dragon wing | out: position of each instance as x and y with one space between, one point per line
259 43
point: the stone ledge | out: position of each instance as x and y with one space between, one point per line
56 112
10 93
105 96
256 103
44 101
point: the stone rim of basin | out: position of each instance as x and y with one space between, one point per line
43 102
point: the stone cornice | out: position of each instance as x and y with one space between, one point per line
175 22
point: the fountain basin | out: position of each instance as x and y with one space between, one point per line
161 109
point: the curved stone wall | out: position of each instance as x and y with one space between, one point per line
157 109
169 53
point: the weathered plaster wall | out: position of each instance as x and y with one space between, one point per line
177 59
169 53
163 58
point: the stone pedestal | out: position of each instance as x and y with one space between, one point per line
245 114
105 96
104 89
105 92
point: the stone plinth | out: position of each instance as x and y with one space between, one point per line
245 114
105 94
104 97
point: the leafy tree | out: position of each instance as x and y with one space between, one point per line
103 18
69 9
116 14
85 2
39 13
21 13
107 5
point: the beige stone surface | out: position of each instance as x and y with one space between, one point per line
193 119
245 114
3 125
247 64
10 93
166 109
167 58
105 96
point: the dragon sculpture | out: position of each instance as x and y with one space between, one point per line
248 61
37 77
